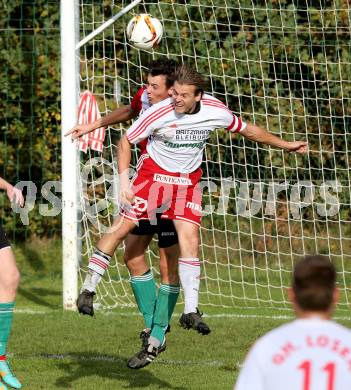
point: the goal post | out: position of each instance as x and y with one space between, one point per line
70 80
69 11
283 66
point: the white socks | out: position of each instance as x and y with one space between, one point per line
189 274
92 279
98 263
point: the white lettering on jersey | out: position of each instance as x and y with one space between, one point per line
194 206
176 141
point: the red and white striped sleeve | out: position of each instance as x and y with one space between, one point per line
149 121
228 120
237 124
136 103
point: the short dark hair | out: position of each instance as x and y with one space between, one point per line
163 67
188 75
314 279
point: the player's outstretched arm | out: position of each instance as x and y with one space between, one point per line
257 134
121 114
124 155
14 194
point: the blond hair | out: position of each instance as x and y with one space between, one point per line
187 75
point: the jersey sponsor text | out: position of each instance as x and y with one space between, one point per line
181 181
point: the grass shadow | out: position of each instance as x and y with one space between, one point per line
82 365
33 258
36 296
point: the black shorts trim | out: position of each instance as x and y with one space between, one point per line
4 242
165 230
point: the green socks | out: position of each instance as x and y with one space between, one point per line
6 315
157 311
144 289
166 300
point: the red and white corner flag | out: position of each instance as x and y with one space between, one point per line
88 112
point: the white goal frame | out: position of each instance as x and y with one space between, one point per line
70 45
253 237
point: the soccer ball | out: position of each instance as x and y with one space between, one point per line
144 31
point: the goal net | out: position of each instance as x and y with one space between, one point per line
283 65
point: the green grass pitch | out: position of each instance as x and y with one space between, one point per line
53 349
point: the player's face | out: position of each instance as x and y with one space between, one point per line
184 98
157 89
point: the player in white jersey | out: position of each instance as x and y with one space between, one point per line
177 141
177 130
160 73
312 352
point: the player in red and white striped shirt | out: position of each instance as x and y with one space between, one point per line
312 352
157 89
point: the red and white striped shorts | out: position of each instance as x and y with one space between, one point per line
171 195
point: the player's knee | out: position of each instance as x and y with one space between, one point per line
130 253
172 260
127 256
190 240
169 275
11 281
170 278
132 258
173 279
128 261
136 265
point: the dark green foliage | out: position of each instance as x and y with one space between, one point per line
285 65
30 106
